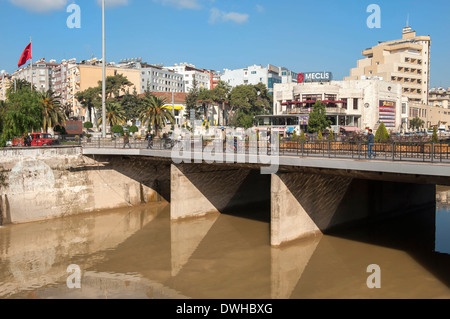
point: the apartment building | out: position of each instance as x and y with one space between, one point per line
405 61
189 72
5 84
87 74
41 77
60 80
439 97
268 75
431 115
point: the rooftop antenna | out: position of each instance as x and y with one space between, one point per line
407 21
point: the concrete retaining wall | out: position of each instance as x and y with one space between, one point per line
55 182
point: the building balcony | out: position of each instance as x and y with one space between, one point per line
336 111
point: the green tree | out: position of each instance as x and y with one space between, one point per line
22 113
154 114
294 136
264 100
331 136
133 129
52 113
319 136
90 100
60 129
318 118
247 101
192 101
118 129
242 119
416 123
434 137
382 135
131 104
205 97
115 115
115 85
88 125
221 95
302 137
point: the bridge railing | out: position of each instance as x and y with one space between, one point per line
390 151
393 151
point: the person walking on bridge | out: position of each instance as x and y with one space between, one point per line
126 141
149 139
370 144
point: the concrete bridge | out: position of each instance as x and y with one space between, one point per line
306 195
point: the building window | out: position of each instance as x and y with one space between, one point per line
355 104
403 108
312 97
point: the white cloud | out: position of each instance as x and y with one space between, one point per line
217 16
113 3
259 8
40 5
182 4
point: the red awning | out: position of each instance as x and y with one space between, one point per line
340 102
309 101
327 101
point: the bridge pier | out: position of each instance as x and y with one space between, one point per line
197 189
305 205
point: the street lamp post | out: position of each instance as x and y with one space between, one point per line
104 73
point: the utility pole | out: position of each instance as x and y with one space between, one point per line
31 65
104 73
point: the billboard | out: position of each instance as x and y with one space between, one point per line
74 127
314 77
387 113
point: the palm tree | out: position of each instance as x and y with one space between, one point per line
52 114
115 114
154 113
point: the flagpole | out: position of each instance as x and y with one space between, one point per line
31 48
104 74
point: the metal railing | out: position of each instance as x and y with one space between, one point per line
391 151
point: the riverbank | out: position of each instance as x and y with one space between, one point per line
46 183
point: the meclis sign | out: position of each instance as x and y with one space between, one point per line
314 77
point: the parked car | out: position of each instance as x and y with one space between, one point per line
37 139
43 139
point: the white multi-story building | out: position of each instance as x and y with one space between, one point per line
155 78
5 84
189 72
268 75
42 72
352 103
405 61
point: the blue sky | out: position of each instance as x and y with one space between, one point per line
323 35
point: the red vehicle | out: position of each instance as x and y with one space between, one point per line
37 139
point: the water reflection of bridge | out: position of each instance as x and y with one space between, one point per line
222 257
443 198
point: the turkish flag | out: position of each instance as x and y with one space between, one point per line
26 55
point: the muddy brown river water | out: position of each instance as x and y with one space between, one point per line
141 253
